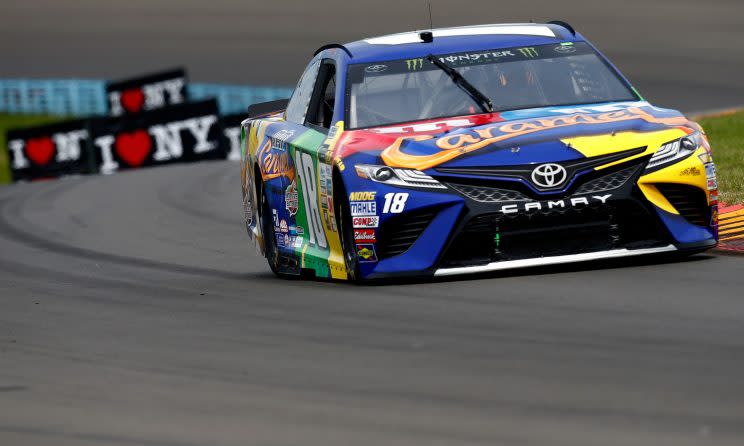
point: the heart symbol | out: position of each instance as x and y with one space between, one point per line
132 100
40 150
133 148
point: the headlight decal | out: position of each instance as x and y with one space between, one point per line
675 151
398 177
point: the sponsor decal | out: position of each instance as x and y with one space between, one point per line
714 216
691 171
291 198
553 204
710 171
366 222
362 196
283 228
473 58
414 64
283 135
325 152
366 253
279 140
434 126
362 208
376 68
712 184
565 49
280 240
298 230
529 52
705 158
365 235
713 197
326 196
298 242
274 162
468 140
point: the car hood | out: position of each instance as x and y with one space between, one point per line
524 137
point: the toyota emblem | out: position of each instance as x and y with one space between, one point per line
549 175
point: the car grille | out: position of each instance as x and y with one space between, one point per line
401 232
486 194
689 201
477 191
608 182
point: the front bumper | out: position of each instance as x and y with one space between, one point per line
616 212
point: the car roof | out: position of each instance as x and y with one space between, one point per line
458 39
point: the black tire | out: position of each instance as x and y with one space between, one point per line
272 252
346 230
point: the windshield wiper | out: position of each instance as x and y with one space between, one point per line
482 100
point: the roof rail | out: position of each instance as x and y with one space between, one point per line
332 45
563 24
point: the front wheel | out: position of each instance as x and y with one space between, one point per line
346 232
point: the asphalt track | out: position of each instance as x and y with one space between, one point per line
134 312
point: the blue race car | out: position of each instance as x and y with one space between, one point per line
470 149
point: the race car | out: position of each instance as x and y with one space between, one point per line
466 150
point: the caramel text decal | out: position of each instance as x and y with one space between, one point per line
274 162
452 146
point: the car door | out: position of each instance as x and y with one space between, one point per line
322 247
298 179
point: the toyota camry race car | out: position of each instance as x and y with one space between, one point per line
466 150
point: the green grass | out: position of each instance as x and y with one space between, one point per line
726 136
15 122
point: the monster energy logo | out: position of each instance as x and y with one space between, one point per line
528 52
414 64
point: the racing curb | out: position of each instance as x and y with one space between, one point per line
730 217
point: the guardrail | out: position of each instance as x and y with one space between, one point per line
87 97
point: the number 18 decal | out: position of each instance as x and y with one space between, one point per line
306 169
395 203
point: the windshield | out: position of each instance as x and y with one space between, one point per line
397 91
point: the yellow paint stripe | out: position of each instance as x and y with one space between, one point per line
736 237
729 215
730 222
732 230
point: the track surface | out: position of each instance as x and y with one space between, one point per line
133 311
140 316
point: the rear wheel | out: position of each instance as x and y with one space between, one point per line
267 228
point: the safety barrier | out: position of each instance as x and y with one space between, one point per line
86 97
